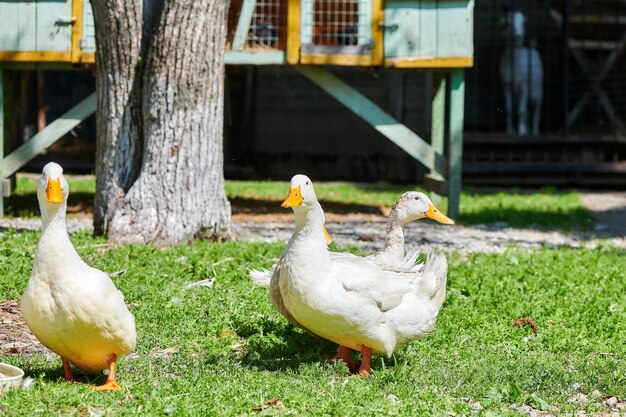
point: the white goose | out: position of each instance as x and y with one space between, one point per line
352 301
411 206
73 309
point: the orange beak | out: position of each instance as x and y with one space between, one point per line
294 198
329 239
54 192
433 213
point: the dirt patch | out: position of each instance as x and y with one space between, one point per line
263 211
609 210
15 337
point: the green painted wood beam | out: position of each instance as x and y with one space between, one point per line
433 182
243 24
50 134
367 110
438 115
255 58
457 112
1 143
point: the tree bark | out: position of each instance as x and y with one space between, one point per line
159 161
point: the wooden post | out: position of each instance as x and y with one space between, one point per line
437 128
455 157
434 182
293 31
1 143
243 24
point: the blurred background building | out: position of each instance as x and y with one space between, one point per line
277 122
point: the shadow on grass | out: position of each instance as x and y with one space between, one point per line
53 372
575 219
546 208
500 208
276 345
242 205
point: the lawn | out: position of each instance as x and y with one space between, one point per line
546 208
224 350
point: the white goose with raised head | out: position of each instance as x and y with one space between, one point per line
74 310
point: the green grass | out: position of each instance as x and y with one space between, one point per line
546 208
375 195
234 352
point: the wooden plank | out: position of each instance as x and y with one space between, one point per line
307 17
454 28
437 186
376 117
243 24
403 26
1 142
433 182
19 26
5 191
54 26
293 31
590 19
88 38
430 62
594 44
77 29
35 56
255 58
53 132
438 115
457 108
427 36
378 17
336 59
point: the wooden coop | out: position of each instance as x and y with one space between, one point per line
434 35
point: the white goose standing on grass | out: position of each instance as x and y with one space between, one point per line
352 302
411 206
73 309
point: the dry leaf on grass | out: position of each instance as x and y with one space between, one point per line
526 321
274 402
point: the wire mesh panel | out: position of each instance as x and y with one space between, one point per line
268 25
336 26
517 77
579 46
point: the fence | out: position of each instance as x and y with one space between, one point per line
580 44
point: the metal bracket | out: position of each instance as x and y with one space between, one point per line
65 20
388 25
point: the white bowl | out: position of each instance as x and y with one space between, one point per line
10 376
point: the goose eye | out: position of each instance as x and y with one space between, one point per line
417 198
307 183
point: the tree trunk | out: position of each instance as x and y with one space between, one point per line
159 161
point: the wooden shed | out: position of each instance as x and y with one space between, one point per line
306 35
46 31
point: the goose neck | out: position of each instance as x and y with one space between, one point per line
394 240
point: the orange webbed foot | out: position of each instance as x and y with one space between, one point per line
107 386
110 384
